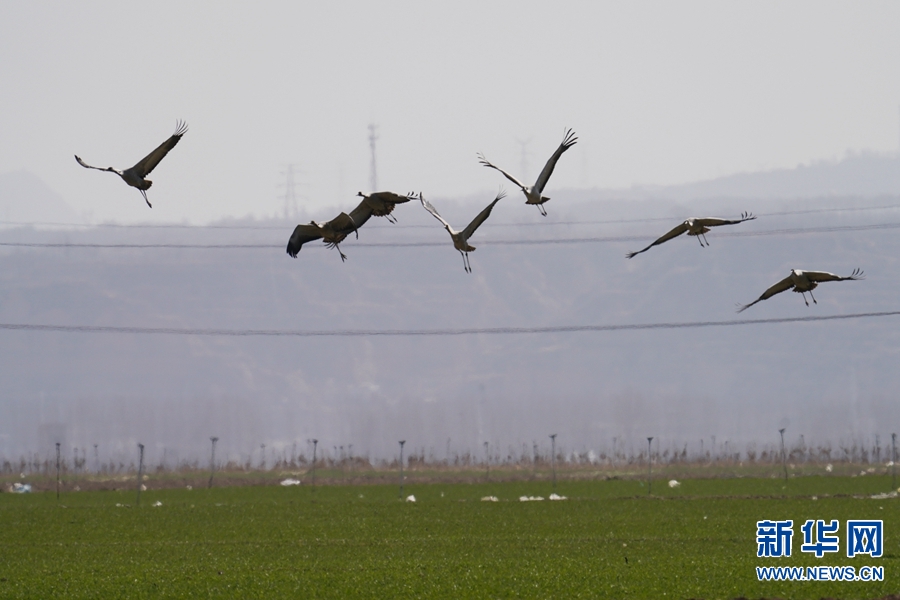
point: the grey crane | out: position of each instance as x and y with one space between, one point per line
461 238
332 232
383 203
695 227
534 194
802 282
136 174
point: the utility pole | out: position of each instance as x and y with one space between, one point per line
487 463
140 476
553 458
783 455
401 468
373 137
96 459
315 445
57 470
649 464
894 460
212 461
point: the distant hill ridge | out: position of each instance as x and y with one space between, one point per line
862 174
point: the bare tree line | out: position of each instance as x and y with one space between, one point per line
341 461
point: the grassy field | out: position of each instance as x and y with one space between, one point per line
610 539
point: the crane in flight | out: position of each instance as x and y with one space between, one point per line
534 194
461 238
331 232
802 282
695 227
136 174
383 203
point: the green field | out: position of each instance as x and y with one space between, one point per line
608 540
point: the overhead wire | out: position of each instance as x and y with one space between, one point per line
542 223
429 332
484 242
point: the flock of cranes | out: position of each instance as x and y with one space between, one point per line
382 204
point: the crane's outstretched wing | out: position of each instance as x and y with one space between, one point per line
711 222
568 141
301 235
487 163
358 217
149 162
782 286
430 208
819 276
482 216
675 232
87 166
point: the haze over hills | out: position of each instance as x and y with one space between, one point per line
830 380
25 198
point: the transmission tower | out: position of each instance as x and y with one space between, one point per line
523 165
373 136
291 209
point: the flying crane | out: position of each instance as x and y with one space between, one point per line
136 174
695 227
461 238
802 282
533 194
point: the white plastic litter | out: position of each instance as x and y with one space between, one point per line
885 496
290 481
490 499
21 488
530 498
557 497
673 483
410 498
157 503
828 467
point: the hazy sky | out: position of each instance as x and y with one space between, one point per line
657 92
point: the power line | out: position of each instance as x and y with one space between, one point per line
428 332
485 242
489 224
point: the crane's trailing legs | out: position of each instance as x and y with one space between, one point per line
144 194
337 247
466 264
